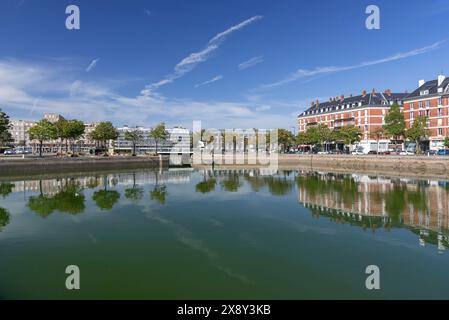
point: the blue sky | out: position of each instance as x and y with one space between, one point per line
231 64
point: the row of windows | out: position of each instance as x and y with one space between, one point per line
427 103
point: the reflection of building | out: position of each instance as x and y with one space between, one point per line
420 205
52 186
430 100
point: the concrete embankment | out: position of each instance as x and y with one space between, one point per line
23 166
409 166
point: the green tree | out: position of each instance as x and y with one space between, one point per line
135 137
106 199
5 218
418 132
394 122
103 132
5 125
348 135
159 133
446 142
74 130
323 134
285 139
44 130
60 128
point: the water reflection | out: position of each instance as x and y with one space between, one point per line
371 203
69 199
5 218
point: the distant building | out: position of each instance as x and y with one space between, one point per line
19 131
366 111
431 100
178 140
53 117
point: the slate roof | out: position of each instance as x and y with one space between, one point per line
370 99
431 86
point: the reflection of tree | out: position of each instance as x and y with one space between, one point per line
5 218
279 186
159 194
418 198
395 203
231 183
135 193
345 187
207 185
6 189
256 182
69 200
106 199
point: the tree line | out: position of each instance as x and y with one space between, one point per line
65 132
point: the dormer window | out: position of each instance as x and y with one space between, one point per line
424 92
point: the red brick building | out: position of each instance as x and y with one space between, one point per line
366 111
431 100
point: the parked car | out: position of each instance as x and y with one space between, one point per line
10 151
431 152
406 153
373 152
443 152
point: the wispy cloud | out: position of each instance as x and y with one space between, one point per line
191 61
251 62
147 12
48 89
92 64
214 79
304 73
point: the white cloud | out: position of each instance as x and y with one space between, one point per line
41 91
92 64
214 79
251 62
303 73
191 61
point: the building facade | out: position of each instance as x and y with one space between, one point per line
431 100
366 111
178 141
19 131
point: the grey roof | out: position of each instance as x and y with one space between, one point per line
431 86
369 99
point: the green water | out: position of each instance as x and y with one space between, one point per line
184 234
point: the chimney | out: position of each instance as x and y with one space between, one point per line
364 93
388 92
421 83
317 102
441 79
373 92
342 98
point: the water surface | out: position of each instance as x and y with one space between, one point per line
184 234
